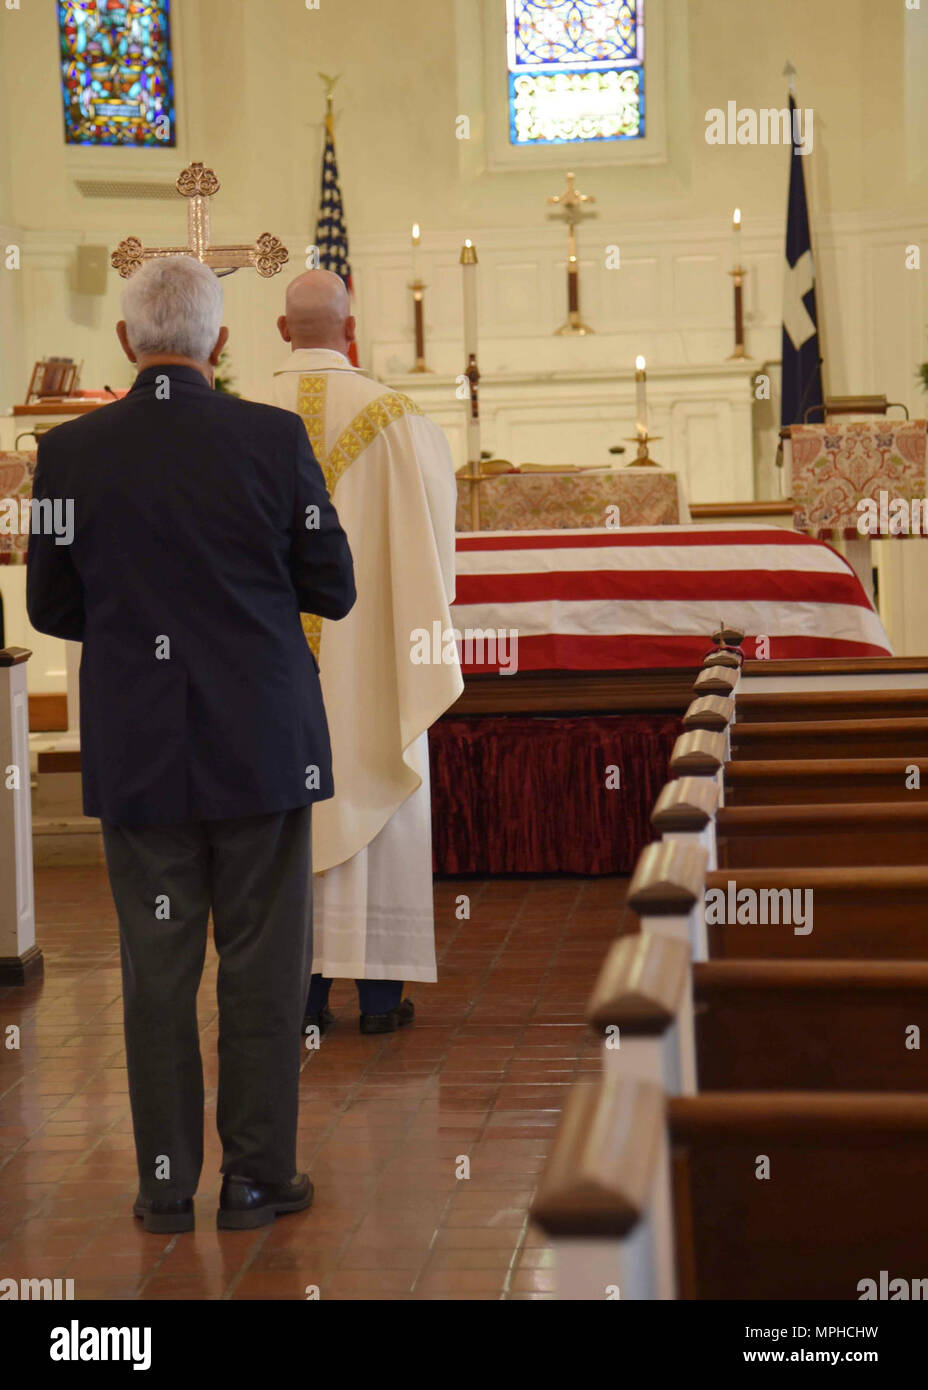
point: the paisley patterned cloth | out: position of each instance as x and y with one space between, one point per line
16 473
538 502
835 466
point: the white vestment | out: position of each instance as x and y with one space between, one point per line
389 473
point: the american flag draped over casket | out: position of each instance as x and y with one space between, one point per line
596 600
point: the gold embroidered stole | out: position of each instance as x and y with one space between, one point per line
365 426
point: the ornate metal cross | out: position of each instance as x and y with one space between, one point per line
570 205
268 254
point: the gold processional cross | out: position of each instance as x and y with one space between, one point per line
268 254
570 205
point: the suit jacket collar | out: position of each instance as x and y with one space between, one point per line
189 375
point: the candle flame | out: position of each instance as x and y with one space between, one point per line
415 233
736 219
639 364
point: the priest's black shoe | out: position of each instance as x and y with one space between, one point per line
163 1217
389 1022
323 1021
244 1204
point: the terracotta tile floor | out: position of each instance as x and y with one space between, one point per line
385 1123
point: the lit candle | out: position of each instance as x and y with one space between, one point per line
469 271
641 399
736 228
416 238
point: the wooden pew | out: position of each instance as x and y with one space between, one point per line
811 1025
818 781
858 673
686 811
794 837
792 1195
856 914
830 738
759 1024
786 706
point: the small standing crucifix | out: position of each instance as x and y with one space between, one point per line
268 254
570 205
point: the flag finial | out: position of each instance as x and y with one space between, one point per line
329 85
790 72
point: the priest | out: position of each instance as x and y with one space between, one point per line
389 472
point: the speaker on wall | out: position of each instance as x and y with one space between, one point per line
90 269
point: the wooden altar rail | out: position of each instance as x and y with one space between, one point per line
602 1203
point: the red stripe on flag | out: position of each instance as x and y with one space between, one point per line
557 652
671 536
732 586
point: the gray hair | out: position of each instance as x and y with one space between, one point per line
173 304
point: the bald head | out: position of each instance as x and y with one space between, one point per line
318 313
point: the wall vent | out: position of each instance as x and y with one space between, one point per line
112 188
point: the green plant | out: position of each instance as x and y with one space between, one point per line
223 380
923 375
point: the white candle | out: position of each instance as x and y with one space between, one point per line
415 250
736 229
641 399
469 270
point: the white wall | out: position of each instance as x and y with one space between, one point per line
250 103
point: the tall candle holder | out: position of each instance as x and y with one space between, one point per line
739 353
418 307
643 459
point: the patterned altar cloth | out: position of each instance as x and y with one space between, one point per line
838 465
16 474
550 502
638 598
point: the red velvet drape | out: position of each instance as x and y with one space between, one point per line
528 795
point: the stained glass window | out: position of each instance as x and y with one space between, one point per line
116 72
576 70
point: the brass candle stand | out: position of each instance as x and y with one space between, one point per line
643 459
418 288
739 353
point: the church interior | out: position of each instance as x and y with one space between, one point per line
653 268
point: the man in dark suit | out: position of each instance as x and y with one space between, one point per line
201 530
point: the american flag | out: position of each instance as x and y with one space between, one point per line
331 232
642 597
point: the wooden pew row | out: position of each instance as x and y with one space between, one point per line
825 836
760 1025
868 673
797 781
792 1195
859 913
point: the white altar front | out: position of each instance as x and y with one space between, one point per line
552 414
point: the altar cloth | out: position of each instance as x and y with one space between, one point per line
646 597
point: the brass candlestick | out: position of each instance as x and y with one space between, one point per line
644 459
418 305
739 353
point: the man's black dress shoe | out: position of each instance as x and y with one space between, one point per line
389 1022
322 1021
244 1204
164 1217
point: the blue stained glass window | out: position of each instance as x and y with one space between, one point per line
117 78
576 70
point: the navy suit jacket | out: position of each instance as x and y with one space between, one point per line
202 529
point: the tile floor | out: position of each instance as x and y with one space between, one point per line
384 1122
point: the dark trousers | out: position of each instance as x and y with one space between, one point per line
256 875
374 996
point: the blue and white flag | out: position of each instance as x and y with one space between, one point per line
801 373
